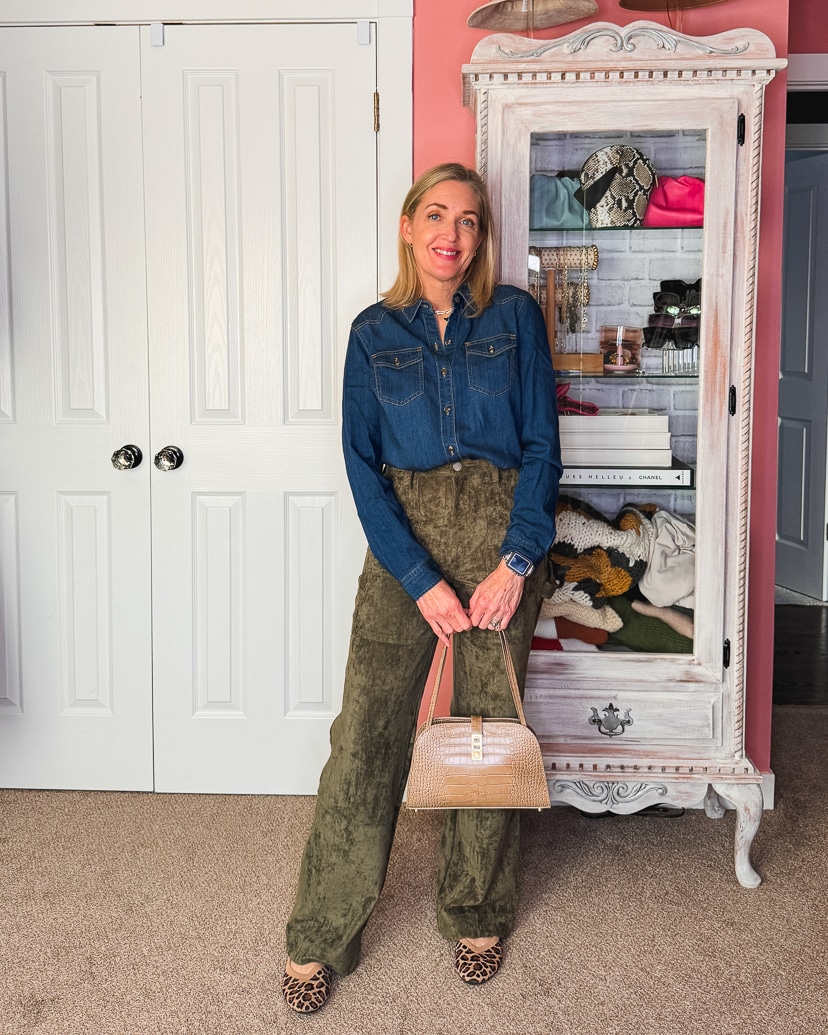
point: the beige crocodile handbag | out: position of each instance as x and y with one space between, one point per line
477 763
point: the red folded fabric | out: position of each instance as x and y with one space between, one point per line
569 630
566 404
541 643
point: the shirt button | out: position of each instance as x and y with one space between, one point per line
448 341
458 466
447 410
444 372
451 450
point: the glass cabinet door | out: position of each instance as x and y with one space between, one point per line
622 298
638 317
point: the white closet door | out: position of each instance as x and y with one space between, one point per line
75 670
260 171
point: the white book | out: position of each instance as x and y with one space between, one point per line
622 439
616 457
680 474
616 419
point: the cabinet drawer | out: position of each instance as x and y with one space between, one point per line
624 720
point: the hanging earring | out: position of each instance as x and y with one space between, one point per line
565 307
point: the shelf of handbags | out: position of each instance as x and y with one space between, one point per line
633 182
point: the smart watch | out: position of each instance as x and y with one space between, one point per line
517 563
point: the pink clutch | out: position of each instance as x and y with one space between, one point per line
676 201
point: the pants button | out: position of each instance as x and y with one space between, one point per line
458 466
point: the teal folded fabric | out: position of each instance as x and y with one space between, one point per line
651 635
552 203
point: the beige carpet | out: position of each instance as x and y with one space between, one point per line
125 914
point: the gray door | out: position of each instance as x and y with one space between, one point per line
803 382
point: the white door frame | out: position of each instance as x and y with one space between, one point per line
807 71
392 20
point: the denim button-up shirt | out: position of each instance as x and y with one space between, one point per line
411 401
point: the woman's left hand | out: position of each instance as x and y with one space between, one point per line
496 598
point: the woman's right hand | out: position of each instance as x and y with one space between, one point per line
443 611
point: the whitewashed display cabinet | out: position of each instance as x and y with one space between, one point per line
621 731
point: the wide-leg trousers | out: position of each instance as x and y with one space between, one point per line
459 513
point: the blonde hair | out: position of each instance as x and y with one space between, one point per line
480 276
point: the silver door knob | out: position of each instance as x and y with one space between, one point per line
127 457
168 458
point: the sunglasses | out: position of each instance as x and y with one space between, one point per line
668 320
677 305
671 337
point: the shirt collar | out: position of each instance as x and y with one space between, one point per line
462 296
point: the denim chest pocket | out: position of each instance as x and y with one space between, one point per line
398 375
490 363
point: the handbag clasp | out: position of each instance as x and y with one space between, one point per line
476 738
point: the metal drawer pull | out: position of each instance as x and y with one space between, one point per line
610 725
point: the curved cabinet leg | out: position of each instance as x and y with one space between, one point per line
747 800
712 804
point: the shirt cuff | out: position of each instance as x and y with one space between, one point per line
523 547
421 579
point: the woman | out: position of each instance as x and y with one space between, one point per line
451 447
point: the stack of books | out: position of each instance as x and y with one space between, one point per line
620 447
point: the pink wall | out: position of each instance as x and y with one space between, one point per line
444 130
808 32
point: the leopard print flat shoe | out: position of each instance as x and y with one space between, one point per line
307 994
476 967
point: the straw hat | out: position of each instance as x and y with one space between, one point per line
523 14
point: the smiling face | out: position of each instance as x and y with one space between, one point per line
444 234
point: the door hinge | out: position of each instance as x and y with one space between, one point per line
363 34
726 653
731 401
376 111
740 130
156 34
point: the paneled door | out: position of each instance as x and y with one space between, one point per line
801 532
260 176
75 651
188 225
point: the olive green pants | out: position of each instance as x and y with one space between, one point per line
460 517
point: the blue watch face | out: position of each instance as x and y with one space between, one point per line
519 565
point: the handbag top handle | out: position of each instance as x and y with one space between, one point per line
510 672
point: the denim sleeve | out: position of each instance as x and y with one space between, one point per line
532 524
384 521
